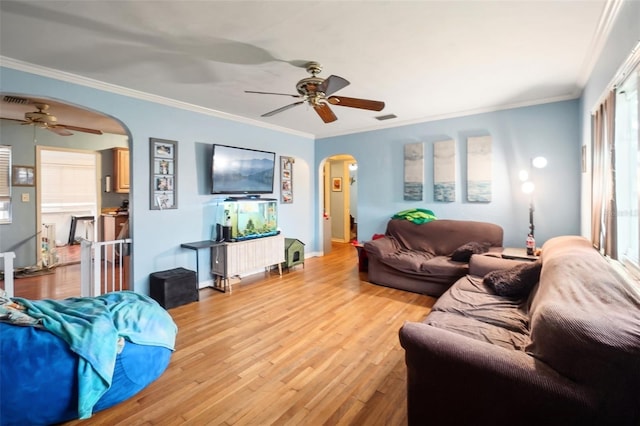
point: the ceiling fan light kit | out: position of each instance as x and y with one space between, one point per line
40 116
316 91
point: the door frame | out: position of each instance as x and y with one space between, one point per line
325 177
98 173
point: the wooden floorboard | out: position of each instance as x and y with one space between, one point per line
315 346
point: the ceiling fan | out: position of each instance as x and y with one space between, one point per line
317 93
43 119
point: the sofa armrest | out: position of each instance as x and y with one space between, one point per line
481 264
454 379
381 247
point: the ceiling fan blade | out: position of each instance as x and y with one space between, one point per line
61 131
284 108
80 129
325 112
272 93
15 119
356 103
332 84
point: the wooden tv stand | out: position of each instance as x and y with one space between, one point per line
241 257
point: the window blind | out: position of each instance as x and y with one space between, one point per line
5 184
5 167
67 182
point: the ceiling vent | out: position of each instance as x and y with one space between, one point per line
16 100
386 117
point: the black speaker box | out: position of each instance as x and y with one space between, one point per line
174 287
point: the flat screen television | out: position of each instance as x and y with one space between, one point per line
241 170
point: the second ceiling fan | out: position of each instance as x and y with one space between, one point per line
317 93
43 119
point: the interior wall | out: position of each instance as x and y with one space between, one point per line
519 134
156 246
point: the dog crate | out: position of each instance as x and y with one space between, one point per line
293 253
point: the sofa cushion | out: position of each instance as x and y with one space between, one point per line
478 330
406 260
471 308
464 252
515 282
481 265
441 237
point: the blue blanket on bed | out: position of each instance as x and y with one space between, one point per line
92 326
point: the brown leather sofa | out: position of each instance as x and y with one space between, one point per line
417 257
566 352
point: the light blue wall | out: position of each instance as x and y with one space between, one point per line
518 135
157 235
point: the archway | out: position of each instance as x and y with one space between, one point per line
83 130
339 200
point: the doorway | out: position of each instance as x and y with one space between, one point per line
68 200
340 199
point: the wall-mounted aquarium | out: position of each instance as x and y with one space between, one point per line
244 219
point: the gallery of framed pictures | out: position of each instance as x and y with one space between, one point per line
286 179
163 179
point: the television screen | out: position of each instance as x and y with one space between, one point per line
241 170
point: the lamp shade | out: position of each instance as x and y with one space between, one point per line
528 187
539 162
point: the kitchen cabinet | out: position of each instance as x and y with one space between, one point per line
121 170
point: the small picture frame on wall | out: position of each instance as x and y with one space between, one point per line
163 176
23 176
336 184
286 180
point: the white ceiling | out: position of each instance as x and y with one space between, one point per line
425 59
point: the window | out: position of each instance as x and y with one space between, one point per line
627 162
5 184
615 176
68 182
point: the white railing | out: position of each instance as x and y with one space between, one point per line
102 266
8 272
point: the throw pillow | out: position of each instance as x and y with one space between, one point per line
515 282
464 252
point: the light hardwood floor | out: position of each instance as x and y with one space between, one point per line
317 346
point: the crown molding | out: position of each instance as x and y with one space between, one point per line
456 114
608 17
112 88
120 90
